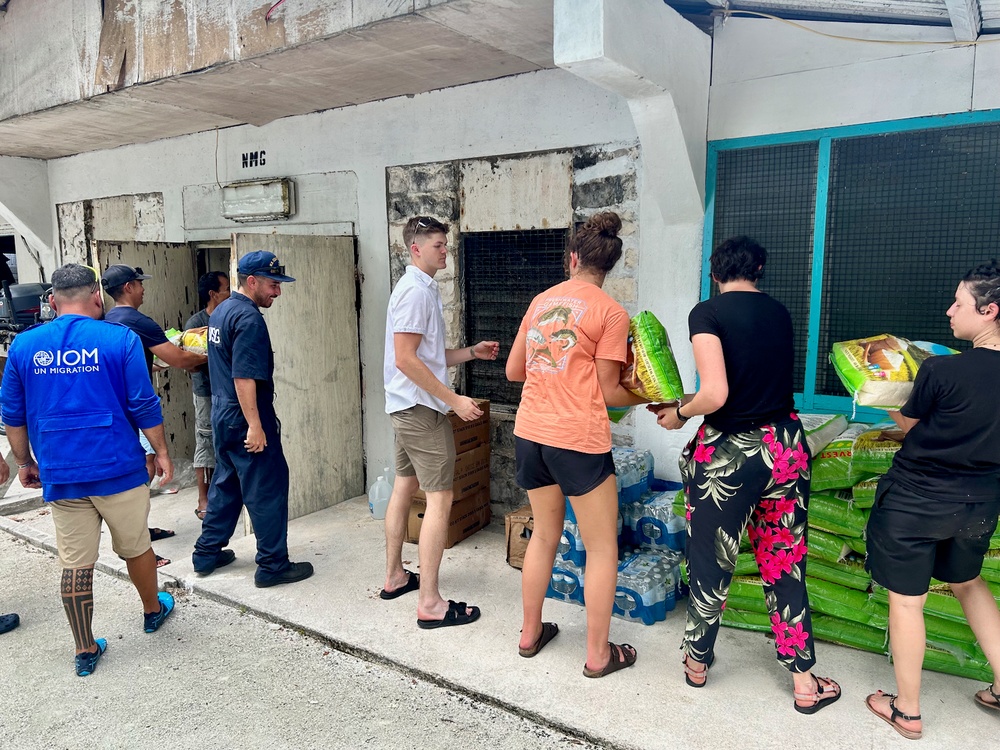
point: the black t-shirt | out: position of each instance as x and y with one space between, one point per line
756 335
150 334
239 346
201 383
953 453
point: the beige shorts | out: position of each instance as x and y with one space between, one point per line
78 526
425 447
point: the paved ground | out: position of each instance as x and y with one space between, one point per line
213 676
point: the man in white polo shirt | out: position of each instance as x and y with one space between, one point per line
417 399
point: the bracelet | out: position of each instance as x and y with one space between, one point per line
472 352
24 466
679 415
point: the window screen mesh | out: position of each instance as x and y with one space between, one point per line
769 193
909 214
503 273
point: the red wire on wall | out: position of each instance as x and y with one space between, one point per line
267 16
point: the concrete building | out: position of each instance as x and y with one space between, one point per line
173 135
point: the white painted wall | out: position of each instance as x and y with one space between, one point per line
535 112
24 201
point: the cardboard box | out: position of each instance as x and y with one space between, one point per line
519 525
471 435
467 517
472 473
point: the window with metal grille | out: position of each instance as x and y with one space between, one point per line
769 193
503 273
894 221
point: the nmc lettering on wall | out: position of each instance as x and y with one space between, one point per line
253 159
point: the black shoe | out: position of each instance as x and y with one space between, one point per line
222 559
294 572
9 622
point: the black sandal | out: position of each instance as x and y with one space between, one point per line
156 534
689 672
619 659
988 704
817 696
459 613
412 584
910 734
549 631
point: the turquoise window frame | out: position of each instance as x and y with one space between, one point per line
809 400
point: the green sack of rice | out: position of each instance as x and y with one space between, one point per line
863 493
835 515
879 370
820 429
617 413
849 572
848 604
826 546
747 594
874 448
857 544
832 467
940 602
944 634
995 539
946 662
734 618
847 633
653 373
679 506
746 565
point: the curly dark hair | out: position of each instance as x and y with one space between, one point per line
983 283
596 243
738 258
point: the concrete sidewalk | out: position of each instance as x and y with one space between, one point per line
747 702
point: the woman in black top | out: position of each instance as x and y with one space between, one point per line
747 464
936 508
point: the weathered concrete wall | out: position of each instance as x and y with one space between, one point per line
120 218
24 200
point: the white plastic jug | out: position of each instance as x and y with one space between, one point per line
378 497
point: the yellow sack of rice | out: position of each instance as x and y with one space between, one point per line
651 371
195 340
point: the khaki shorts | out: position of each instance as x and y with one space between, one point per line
204 447
78 526
425 447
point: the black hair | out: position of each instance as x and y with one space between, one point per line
596 243
738 259
983 283
210 282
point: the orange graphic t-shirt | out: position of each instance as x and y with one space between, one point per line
565 330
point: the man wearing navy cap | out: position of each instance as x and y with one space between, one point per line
250 467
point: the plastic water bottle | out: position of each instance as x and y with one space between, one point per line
378 497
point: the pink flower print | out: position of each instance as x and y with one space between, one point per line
765 540
777 626
784 537
701 432
798 550
799 459
784 505
769 567
785 561
703 453
782 471
769 440
752 532
792 639
793 416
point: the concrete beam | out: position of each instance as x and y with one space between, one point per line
966 19
24 202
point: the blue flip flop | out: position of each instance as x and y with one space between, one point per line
86 662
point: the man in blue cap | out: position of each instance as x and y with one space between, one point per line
250 467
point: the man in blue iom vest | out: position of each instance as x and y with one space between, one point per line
250 467
75 391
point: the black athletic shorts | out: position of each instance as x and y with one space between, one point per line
912 538
576 473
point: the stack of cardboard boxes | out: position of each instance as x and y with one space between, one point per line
470 510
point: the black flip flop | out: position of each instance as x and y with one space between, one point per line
161 561
549 631
456 615
620 659
157 534
412 584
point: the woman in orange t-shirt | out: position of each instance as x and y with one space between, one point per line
569 353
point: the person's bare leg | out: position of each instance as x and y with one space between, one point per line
396 516
548 511
597 517
984 618
142 571
433 532
150 466
204 480
908 639
77 590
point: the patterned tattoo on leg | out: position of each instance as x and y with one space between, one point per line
78 601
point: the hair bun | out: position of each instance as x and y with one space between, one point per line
607 223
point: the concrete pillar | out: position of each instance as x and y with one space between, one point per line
645 52
25 204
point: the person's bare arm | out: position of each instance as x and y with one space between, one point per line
157 438
408 363
514 368
27 469
904 423
711 365
246 393
609 376
482 350
177 357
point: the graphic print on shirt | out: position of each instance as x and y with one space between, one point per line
552 333
66 361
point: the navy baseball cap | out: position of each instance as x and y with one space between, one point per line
262 263
120 275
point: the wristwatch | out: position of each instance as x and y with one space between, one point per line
680 416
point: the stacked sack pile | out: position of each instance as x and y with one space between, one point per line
650 535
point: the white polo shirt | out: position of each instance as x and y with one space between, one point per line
414 307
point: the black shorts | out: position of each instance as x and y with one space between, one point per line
576 473
912 538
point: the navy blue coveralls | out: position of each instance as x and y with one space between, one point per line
239 346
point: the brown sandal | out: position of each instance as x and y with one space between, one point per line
891 719
619 659
994 704
818 696
549 631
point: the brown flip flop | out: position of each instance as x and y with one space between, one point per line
620 659
549 631
896 714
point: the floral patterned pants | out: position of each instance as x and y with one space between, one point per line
757 480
